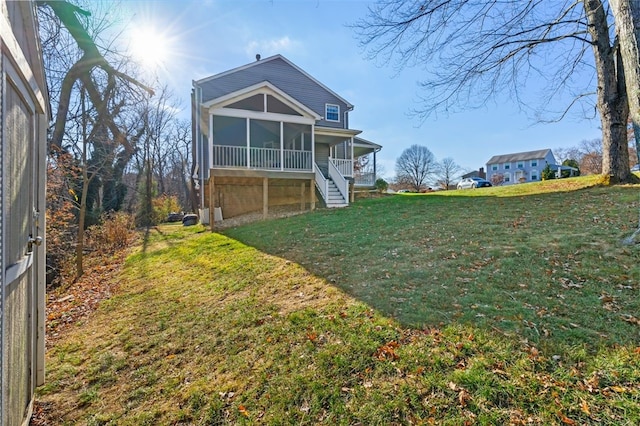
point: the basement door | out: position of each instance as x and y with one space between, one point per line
20 180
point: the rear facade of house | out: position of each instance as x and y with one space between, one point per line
519 167
269 135
24 116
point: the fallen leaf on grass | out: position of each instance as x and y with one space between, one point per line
243 410
387 352
585 407
463 397
566 420
630 319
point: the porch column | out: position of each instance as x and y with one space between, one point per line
313 147
248 144
210 150
265 197
375 173
312 192
351 156
281 145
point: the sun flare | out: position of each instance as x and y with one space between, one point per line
150 47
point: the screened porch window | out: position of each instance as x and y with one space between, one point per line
229 131
265 134
297 137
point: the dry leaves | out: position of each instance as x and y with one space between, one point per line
387 352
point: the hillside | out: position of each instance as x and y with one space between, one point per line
514 305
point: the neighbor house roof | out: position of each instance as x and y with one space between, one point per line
519 156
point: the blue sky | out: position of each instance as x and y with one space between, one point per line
206 37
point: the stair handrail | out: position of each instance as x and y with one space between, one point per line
321 182
341 183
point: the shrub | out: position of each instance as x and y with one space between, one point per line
381 185
115 231
548 173
570 163
162 206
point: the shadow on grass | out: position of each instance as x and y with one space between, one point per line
546 267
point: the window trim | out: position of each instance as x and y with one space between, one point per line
506 166
326 112
495 167
533 163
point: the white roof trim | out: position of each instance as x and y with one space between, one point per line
271 58
262 88
365 143
334 131
21 62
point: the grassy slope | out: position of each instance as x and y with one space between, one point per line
487 307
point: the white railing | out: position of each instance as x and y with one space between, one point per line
365 179
321 182
339 180
261 158
229 156
265 158
297 160
345 167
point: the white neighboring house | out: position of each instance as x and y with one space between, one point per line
519 167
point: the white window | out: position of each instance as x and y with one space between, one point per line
494 167
534 163
520 165
332 112
507 177
534 175
507 166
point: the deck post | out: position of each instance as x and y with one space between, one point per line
265 197
302 203
352 192
312 194
212 204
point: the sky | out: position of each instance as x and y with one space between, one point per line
201 38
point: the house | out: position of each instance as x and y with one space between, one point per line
519 167
24 116
269 135
480 173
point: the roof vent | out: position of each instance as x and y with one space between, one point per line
257 57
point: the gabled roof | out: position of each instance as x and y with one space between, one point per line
263 87
259 63
519 156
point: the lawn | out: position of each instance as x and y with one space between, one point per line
514 305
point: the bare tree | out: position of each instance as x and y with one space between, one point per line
474 51
415 166
627 19
447 170
497 179
92 131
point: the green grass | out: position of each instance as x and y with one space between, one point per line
512 305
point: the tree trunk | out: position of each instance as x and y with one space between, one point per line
627 18
612 99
